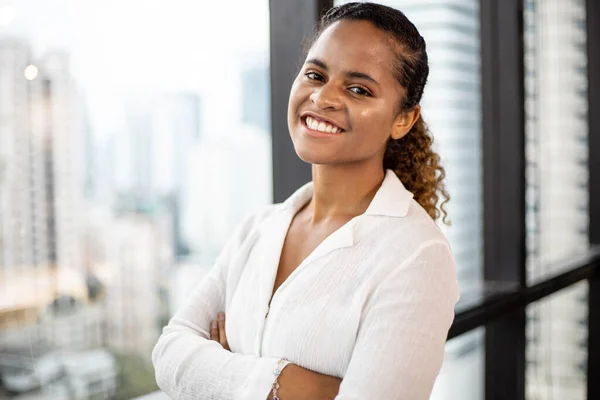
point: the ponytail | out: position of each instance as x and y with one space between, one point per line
418 167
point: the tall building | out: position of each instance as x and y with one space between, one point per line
64 130
153 141
90 158
152 154
22 243
40 196
557 191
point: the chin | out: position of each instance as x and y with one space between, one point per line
312 155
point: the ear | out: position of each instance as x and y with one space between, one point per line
405 121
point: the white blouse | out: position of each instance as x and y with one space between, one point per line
372 305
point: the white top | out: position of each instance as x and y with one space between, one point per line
372 305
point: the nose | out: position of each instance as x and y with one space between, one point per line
326 97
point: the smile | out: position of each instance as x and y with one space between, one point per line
321 126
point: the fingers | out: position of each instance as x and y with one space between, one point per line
221 325
214 331
217 331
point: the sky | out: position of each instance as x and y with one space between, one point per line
166 43
126 46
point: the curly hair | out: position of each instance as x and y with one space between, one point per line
411 157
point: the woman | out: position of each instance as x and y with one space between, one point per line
350 278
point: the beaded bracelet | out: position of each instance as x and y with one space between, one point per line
281 363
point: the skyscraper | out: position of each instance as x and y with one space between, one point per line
41 194
557 190
153 147
17 179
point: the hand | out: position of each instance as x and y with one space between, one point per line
217 331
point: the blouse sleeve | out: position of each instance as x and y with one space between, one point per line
400 344
190 366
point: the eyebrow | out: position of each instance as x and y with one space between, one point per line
349 74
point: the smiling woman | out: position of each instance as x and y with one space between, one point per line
347 289
379 78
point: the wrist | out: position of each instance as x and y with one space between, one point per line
282 363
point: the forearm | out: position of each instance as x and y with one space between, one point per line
190 367
297 383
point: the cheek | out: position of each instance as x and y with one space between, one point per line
368 114
296 97
370 121
373 126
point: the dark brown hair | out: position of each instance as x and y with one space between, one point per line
411 157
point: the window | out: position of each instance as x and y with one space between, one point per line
134 136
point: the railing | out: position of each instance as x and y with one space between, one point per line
495 300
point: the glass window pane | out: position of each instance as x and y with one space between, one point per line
557 192
462 375
131 144
556 133
557 346
451 106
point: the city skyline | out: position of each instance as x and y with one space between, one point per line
128 201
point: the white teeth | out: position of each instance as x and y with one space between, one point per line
321 126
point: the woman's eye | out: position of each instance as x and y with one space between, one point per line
313 76
360 91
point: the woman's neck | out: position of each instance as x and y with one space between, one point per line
342 191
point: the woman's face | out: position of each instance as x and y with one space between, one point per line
346 88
